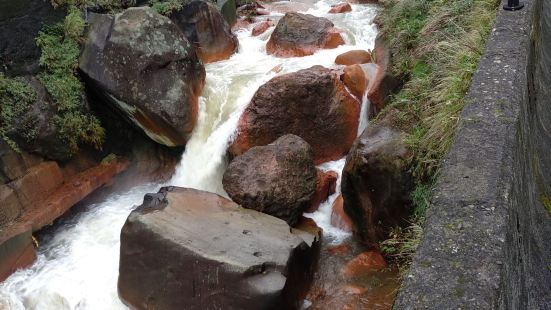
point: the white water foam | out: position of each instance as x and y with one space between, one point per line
78 267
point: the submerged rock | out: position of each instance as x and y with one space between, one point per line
299 35
363 263
142 64
376 182
278 179
311 103
205 27
189 249
340 8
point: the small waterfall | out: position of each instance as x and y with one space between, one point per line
77 267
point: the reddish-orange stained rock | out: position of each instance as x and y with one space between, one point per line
356 80
340 8
363 263
354 57
261 27
339 218
298 35
340 249
363 1
312 103
326 183
384 83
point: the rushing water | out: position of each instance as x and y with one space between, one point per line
77 267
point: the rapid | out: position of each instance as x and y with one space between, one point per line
77 263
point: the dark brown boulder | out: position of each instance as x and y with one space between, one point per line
354 57
142 64
376 182
205 27
299 35
278 179
326 185
189 249
311 103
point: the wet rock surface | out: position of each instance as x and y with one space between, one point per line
353 57
311 103
326 183
205 27
339 218
299 34
278 179
376 184
384 83
128 61
356 79
184 248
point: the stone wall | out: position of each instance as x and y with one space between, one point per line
486 243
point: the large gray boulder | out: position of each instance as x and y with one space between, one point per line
278 179
189 249
142 64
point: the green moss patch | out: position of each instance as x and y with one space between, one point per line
59 60
16 98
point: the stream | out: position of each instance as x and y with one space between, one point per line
77 262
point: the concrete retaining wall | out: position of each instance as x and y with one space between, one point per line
487 241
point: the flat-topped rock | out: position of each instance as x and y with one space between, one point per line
185 248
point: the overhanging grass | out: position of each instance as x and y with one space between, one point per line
437 45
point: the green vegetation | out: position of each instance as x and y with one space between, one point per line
165 6
60 50
16 96
546 201
436 45
107 5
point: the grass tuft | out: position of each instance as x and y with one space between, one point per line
436 45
